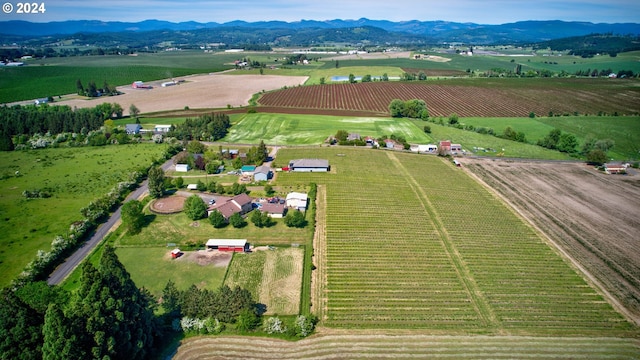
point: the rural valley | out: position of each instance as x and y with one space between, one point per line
341 200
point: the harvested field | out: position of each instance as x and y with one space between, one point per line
468 98
199 91
593 217
403 346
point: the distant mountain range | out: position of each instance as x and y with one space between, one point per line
411 31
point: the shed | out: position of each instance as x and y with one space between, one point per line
176 253
248 169
192 187
309 165
261 173
182 167
162 128
235 245
297 200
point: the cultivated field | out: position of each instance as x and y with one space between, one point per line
472 97
354 345
411 242
274 278
591 215
198 91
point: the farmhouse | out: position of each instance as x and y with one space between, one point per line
182 167
353 137
456 147
309 165
133 129
228 206
274 210
236 245
445 146
297 200
262 173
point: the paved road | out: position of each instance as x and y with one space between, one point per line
62 271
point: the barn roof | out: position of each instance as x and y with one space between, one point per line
309 163
226 242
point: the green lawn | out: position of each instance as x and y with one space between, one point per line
74 176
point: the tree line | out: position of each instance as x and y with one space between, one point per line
210 127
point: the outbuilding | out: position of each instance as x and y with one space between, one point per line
309 165
235 245
182 167
261 173
297 200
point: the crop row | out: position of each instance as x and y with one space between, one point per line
468 100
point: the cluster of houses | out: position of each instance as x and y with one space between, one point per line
243 203
446 146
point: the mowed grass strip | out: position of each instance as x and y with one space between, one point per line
387 265
73 176
368 346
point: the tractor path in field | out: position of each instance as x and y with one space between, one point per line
478 300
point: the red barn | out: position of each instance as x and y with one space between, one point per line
236 245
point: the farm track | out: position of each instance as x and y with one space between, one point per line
358 345
598 239
479 302
319 279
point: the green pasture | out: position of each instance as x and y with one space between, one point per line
154 267
74 177
284 129
413 242
58 76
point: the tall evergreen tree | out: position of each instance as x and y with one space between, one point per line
20 328
156 182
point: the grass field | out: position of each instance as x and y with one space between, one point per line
412 242
74 177
314 129
274 278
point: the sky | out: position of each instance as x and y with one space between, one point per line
220 11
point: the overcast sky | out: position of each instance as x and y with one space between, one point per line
476 11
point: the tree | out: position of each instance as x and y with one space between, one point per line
413 108
453 119
427 129
597 157
237 221
195 208
113 315
196 147
6 142
60 341
132 216
247 320
567 143
178 182
396 108
268 190
217 219
134 111
261 219
295 219
341 135
171 298
20 328
352 79
156 182
79 87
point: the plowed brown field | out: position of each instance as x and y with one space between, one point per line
593 217
472 97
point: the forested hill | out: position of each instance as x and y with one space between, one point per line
310 31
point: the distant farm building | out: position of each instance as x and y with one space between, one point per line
445 146
261 173
176 253
182 167
235 245
309 165
139 85
132 129
162 128
615 168
168 83
429 148
297 200
228 206
192 187
456 147
353 137
41 101
248 170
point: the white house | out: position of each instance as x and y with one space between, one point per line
297 200
182 167
424 148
